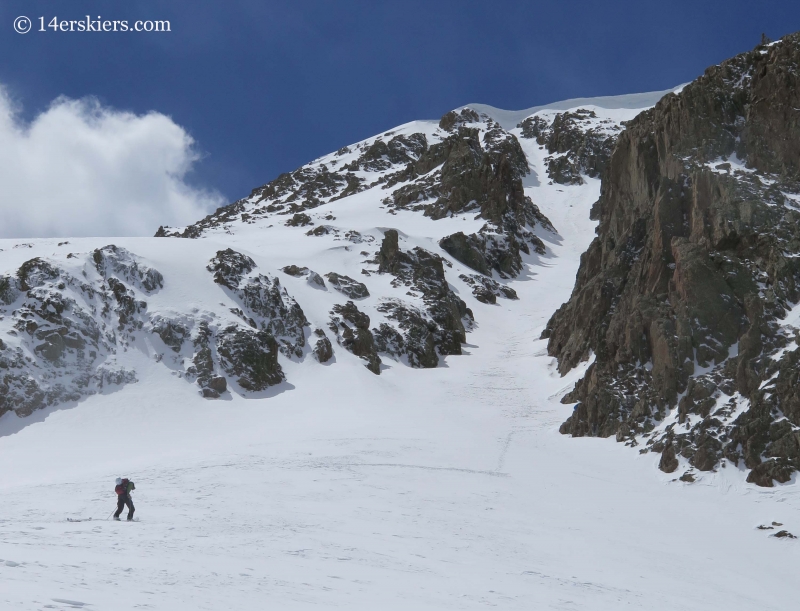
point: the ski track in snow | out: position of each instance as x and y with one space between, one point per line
448 488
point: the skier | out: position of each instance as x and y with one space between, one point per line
123 489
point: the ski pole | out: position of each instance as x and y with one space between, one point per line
111 514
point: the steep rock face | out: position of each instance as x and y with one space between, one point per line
682 294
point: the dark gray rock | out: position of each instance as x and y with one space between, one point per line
300 219
315 280
294 270
487 290
768 471
382 155
416 337
251 356
9 290
312 277
445 313
578 142
203 367
53 346
668 462
454 119
323 350
172 332
351 327
116 262
70 328
219 384
468 250
264 302
348 286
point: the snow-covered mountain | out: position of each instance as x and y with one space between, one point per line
392 250
346 388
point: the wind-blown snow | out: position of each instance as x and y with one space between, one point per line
445 488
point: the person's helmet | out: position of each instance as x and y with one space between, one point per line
119 481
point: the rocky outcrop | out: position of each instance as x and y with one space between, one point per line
453 120
115 262
290 193
413 338
62 331
351 327
439 328
481 171
348 286
323 350
9 290
471 251
265 304
251 356
248 355
295 271
477 171
171 331
312 277
380 155
299 219
487 290
579 143
680 297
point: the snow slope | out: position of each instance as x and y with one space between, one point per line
442 488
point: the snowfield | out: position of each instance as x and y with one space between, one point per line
444 488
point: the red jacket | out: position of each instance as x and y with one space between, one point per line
125 487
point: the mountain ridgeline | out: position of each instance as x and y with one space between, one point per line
73 320
682 297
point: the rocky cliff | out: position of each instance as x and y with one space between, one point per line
682 298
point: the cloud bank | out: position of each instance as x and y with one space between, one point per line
81 169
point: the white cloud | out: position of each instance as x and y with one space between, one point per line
80 169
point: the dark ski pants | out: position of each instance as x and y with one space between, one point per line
122 500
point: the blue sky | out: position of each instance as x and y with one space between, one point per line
263 87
